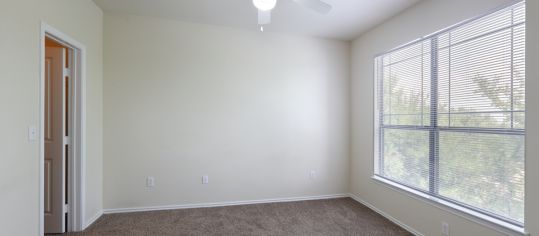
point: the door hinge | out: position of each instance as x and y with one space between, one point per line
67 140
66 208
67 72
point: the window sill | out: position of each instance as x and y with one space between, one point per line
476 217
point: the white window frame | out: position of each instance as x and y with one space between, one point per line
476 216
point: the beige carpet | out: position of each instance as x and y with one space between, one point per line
321 217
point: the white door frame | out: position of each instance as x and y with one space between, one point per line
77 119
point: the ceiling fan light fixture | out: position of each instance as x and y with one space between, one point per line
265 5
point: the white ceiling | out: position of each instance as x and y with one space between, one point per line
347 20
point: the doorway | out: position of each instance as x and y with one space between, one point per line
62 125
57 97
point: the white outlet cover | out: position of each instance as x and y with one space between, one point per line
205 179
312 174
445 228
150 182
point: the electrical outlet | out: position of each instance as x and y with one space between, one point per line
150 182
312 174
445 229
205 179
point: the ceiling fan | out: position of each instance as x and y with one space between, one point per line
265 6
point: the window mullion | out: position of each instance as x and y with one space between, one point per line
434 132
512 67
381 121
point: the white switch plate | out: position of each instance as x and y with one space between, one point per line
32 133
205 179
445 228
150 182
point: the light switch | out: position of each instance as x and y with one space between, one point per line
32 134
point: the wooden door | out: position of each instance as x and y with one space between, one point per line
55 104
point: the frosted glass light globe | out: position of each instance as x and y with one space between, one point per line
264 5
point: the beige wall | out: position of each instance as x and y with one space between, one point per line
422 19
20 23
254 111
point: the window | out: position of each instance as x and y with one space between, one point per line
450 112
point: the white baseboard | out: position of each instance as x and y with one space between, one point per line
387 216
219 204
92 220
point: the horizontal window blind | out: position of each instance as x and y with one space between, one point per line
451 114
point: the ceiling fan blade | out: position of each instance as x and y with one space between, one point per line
264 17
316 5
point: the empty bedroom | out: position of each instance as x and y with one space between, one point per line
269 117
